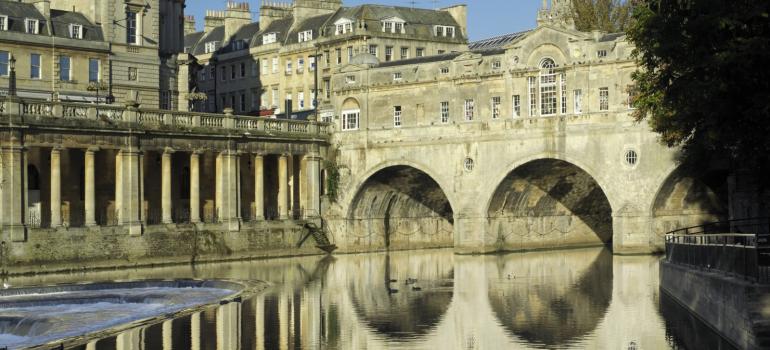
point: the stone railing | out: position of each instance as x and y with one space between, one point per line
116 115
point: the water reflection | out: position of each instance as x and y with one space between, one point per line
563 299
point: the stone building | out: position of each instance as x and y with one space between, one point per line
77 50
253 67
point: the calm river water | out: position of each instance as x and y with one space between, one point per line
573 299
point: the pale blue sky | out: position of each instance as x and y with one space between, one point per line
486 18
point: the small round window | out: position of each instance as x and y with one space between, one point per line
468 164
632 157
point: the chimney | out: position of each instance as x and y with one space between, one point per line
236 16
213 19
270 11
189 25
460 14
308 8
44 6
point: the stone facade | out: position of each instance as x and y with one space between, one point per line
115 51
252 67
525 141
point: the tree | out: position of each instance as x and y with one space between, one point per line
610 16
703 81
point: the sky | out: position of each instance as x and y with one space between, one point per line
486 18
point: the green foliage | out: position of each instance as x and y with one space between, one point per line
332 180
610 16
703 78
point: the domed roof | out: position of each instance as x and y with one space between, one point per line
365 59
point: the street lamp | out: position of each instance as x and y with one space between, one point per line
12 78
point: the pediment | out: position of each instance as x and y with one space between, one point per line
343 20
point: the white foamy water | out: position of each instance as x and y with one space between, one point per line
39 318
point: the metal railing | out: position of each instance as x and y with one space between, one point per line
708 247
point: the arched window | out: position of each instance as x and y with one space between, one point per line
548 88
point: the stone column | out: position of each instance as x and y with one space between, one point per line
259 188
313 186
127 190
290 173
228 191
229 326
132 339
89 182
259 322
13 216
195 331
168 336
166 186
55 187
283 321
195 192
283 187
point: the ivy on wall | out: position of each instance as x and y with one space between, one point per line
332 180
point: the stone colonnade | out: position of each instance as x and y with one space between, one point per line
186 187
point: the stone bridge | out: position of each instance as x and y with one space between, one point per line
514 184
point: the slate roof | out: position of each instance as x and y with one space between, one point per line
312 23
192 39
418 60
61 21
17 12
408 14
281 27
245 33
216 34
497 42
611 37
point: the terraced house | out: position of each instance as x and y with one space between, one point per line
89 50
296 47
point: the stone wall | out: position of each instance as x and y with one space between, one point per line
739 310
52 250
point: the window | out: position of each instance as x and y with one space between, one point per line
404 53
516 106
441 52
238 45
578 101
288 66
387 27
388 53
212 73
32 25
601 53
532 87
495 107
397 116
327 117
397 76
269 38
76 31
350 53
275 98
563 93
132 34
3 22
254 69
243 103
604 99
497 65
232 101
93 69
312 63
445 31
399 27
328 88
34 66
547 87
133 74
165 99
469 106
264 66
343 26
373 50
445 112
223 75
350 119
301 99
350 79
420 52
631 95
5 57
339 55
65 67
305 36
444 70
327 57
203 74
300 65
275 65
211 46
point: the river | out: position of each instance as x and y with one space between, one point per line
433 299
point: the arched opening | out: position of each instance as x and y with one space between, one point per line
350 115
566 302
401 207
34 211
686 200
549 203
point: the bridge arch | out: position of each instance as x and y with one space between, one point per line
399 204
547 201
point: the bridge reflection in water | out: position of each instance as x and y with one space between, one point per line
583 298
